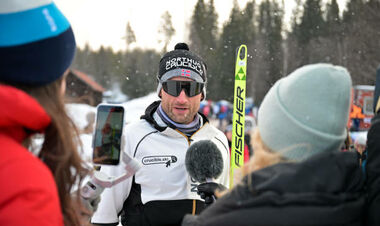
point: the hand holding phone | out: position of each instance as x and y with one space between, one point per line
107 150
108 134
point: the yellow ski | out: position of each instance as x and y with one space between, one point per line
237 144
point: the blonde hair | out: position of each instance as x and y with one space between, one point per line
263 156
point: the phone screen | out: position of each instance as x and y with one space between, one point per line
107 141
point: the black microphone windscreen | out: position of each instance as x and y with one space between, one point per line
204 161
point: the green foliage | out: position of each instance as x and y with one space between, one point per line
333 20
166 29
140 72
350 41
239 29
203 38
360 52
312 23
318 34
268 55
353 11
135 70
129 35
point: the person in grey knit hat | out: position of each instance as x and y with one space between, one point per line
298 175
312 106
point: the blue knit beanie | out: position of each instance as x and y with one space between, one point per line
37 44
306 112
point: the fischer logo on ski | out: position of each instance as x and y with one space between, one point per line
237 146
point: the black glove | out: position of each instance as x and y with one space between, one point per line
207 191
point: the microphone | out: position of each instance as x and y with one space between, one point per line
204 163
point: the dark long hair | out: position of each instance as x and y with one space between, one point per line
60 148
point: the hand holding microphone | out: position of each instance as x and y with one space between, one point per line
207 191
204 163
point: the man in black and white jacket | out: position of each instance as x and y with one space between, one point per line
162 191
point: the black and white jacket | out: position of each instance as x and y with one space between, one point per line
161 192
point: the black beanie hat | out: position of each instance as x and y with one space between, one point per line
181 63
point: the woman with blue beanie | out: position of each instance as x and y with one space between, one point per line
37 46
297 176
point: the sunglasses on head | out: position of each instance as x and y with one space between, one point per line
174 87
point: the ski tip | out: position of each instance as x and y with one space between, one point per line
242 52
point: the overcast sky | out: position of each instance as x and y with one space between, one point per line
103 22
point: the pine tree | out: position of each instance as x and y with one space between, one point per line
239 29
140 71
333 21
331 44
197 28
166 29
129 36
292 49
353 10
268 58
308 32
312 23
361 27
203 38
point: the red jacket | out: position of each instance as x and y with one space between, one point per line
28 193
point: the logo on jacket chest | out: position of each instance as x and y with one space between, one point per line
166 160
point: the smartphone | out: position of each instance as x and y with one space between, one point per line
108 134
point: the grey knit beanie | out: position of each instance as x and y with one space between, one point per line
306 112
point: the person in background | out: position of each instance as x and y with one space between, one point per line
228 133
360 146
249 125
162 191
37 46
357 116
348 144
298 175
